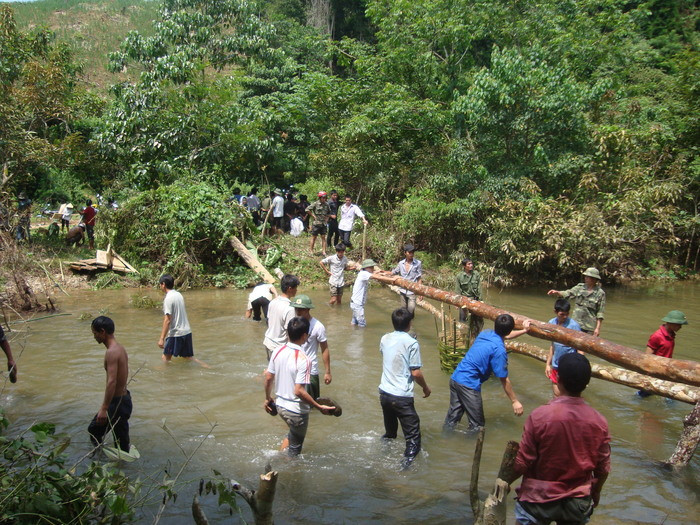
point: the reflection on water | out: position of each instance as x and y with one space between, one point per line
346 474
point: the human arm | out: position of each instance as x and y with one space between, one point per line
325 269
326 356
269 381
164 331
554 292
598 324
420 380
548 364
518 333
301 393
273 291
248 313
508 389
111 367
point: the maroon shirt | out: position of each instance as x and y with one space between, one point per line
662 342
565 446
89 216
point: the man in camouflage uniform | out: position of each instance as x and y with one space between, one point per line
589 298
469 285
319 211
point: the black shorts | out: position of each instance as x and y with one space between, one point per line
318 229
179 346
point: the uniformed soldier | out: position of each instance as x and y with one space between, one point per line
469 285
589 298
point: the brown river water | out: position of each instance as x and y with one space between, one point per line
346 475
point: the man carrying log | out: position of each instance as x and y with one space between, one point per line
486 356
564 454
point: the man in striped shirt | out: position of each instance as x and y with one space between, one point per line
290 371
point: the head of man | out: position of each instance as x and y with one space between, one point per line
340 250
348 200
401 319
574 374
322 196
302 306
503 325
467 264
674 321
102 327
591 276
409 250
561 309
88 202
166 282
334 195
289 285
298 330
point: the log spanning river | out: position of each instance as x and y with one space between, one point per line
346 475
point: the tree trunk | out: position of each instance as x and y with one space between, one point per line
689 439
250 260
474 500
678 391
494 508
261 501
681 371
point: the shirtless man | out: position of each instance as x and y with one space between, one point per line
115 410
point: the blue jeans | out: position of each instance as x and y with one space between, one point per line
400 409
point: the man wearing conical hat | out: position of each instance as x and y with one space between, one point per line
589 298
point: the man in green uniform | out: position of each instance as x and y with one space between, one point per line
319 211
469 285
589 298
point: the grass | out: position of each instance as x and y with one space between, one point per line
93 29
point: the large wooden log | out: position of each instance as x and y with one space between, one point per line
678 391
689 439
260 501
250 260
677 370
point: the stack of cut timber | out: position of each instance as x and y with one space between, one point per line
104 260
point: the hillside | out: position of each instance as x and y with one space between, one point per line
93 28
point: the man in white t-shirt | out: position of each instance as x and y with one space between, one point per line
359 293
289 371
278 212
176 335
317 339
259 300
335 269
347 213
279 313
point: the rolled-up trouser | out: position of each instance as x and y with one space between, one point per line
118 414
408 301
358 314
401 409
298 425
463 399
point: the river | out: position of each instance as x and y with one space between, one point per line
346 475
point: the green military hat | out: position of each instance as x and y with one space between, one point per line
675 317
368 262
592 272
302 301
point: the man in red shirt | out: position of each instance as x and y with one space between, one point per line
663 340
89 214
564 454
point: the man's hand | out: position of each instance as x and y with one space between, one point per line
161 343
553 292
102 416
12 369
426 391
326 409
547 371
517 408
596 332
327 378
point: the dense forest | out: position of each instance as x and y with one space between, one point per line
539 137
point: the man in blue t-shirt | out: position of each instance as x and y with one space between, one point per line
556 350
485 357
401 368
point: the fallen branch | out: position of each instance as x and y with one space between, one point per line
251 260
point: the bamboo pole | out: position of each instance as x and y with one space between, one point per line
474 500
677 370
678 391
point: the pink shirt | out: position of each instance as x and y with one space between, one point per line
662 342
565 446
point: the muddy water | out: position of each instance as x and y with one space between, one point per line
346 475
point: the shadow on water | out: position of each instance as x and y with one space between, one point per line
346 474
